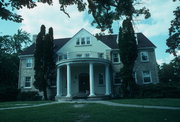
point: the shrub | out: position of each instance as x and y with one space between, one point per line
8 93
161 90
29 96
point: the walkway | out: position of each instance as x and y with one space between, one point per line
98 102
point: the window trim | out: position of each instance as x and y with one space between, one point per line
150 76
27 62
146 53
118 56
29 81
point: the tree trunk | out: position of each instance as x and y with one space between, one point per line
45 94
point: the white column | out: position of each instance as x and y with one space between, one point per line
107 80
91 78
57 82
68 80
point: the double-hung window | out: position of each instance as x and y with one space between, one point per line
144 57
146 77
27 82
29 63
115 57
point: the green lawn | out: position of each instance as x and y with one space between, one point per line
21 103
88 112
155 102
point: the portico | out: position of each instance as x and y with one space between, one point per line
68 79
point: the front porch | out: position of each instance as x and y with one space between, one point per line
83 80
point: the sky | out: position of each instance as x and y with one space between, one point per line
154 28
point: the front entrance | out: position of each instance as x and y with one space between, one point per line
83 82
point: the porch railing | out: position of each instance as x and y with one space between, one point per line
83 54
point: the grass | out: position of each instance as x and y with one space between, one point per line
89 113
150 101
20 103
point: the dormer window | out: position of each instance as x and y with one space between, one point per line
78 42
82 41
144 56
88 40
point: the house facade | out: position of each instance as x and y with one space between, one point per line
89 67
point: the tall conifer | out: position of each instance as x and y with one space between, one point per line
128 55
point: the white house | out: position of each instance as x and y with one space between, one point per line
89 67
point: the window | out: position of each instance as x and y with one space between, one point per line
100 55
82 41
117 78
27 82
79 55
87 55
78 42
29 62
88 40
101 78
60 57
116 58
65 56
146 77
144 56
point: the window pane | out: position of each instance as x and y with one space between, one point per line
144 56
29 62
77 42
100 55
115 57
83 41
88 40
87 55
147 79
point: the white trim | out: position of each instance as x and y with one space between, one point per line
149 77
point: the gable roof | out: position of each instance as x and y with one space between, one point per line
109 40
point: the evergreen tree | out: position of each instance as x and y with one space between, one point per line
128 55
44 61
40 82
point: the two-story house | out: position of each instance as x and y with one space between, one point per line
90 66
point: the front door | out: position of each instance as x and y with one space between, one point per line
83 82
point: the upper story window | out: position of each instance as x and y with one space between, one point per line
79 55
77 42
101 78
100 55
83 41
144 56
146 77
88 41
87 55
27 82
29 63
115 57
